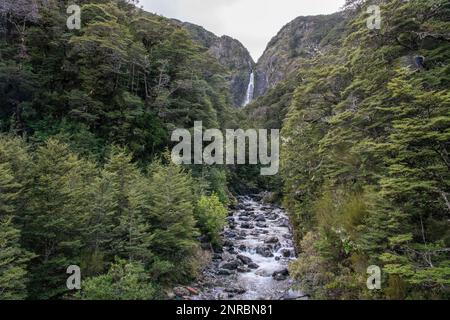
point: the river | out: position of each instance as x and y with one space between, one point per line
258 246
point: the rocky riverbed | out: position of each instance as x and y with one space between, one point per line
258 246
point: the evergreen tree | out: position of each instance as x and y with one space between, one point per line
124 281
172 221
55 218
131 233
13 259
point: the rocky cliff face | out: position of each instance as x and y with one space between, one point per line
231 54
301 38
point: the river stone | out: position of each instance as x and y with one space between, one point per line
281 275
283 222
236 290
242 247
228 243
253 265
224 272
264 251
255 232
286 253
243 269
245 260
217 256
229 234
260 218
272 216
247 225
230 265
261 225
272 240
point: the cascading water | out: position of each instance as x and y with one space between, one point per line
258 246
250 89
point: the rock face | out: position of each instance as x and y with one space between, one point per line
231 54
301 38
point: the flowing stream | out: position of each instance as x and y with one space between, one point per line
250 89
258 247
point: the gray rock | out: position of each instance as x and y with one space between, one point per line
253 265
261 225
243 269
242 247
281 275
247 225
236 290
245 260
260 218
224 272
230 265
286 253
217 256
283 222
272 240
272 216
264 251
228 243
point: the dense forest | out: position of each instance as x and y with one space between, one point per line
365 156
86 177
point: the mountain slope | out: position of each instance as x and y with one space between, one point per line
301 38
231 54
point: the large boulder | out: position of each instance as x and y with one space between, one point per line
264 251
261 225
272 240
224 272
247 225
281 275
244 259
260 218
253 265
230 265
286 253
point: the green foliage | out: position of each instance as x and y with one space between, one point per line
13 258
211 216
172 221
124 281
126 78
365 154
95 106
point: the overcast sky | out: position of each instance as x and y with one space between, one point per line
253 22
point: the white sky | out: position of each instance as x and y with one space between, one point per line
253 22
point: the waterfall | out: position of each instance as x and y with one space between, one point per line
250 89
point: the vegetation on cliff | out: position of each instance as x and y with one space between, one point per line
365 157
